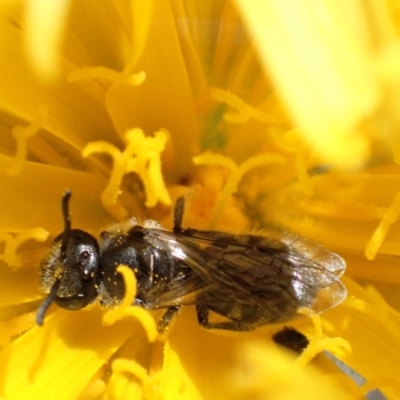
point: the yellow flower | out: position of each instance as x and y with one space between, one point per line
263 114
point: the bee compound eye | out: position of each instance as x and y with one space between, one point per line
79 285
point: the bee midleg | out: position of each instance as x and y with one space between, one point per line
178 214
202 317
166 319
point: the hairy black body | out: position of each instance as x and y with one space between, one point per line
251 280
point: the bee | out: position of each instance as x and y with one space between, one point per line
248 280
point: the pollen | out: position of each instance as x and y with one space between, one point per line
389 217
21 134
236 174
125 309
244 110
141 155
13 242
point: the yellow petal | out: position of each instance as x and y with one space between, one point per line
322 72
60 357
45 24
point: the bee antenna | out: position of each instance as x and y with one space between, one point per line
47 302
67 220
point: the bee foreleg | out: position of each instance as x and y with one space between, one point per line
166 319
178 214
202 317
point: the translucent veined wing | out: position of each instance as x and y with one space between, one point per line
280 274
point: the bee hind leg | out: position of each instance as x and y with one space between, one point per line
166 319
202 317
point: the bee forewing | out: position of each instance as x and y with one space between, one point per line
329 297
314 251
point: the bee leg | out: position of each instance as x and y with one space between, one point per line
178 214
202 317
166 319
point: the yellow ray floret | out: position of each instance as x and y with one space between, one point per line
4 337
322 69
45 25
291 142
21 133
390 217
303 176
107 74
125 309
131 366
94 390
13 242
142 20
236 174
141 155
376 308
121 384
244 111
285 379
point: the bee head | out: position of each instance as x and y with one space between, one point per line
70 271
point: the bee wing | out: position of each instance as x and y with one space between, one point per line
279 274
188 287
181 292
279 241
